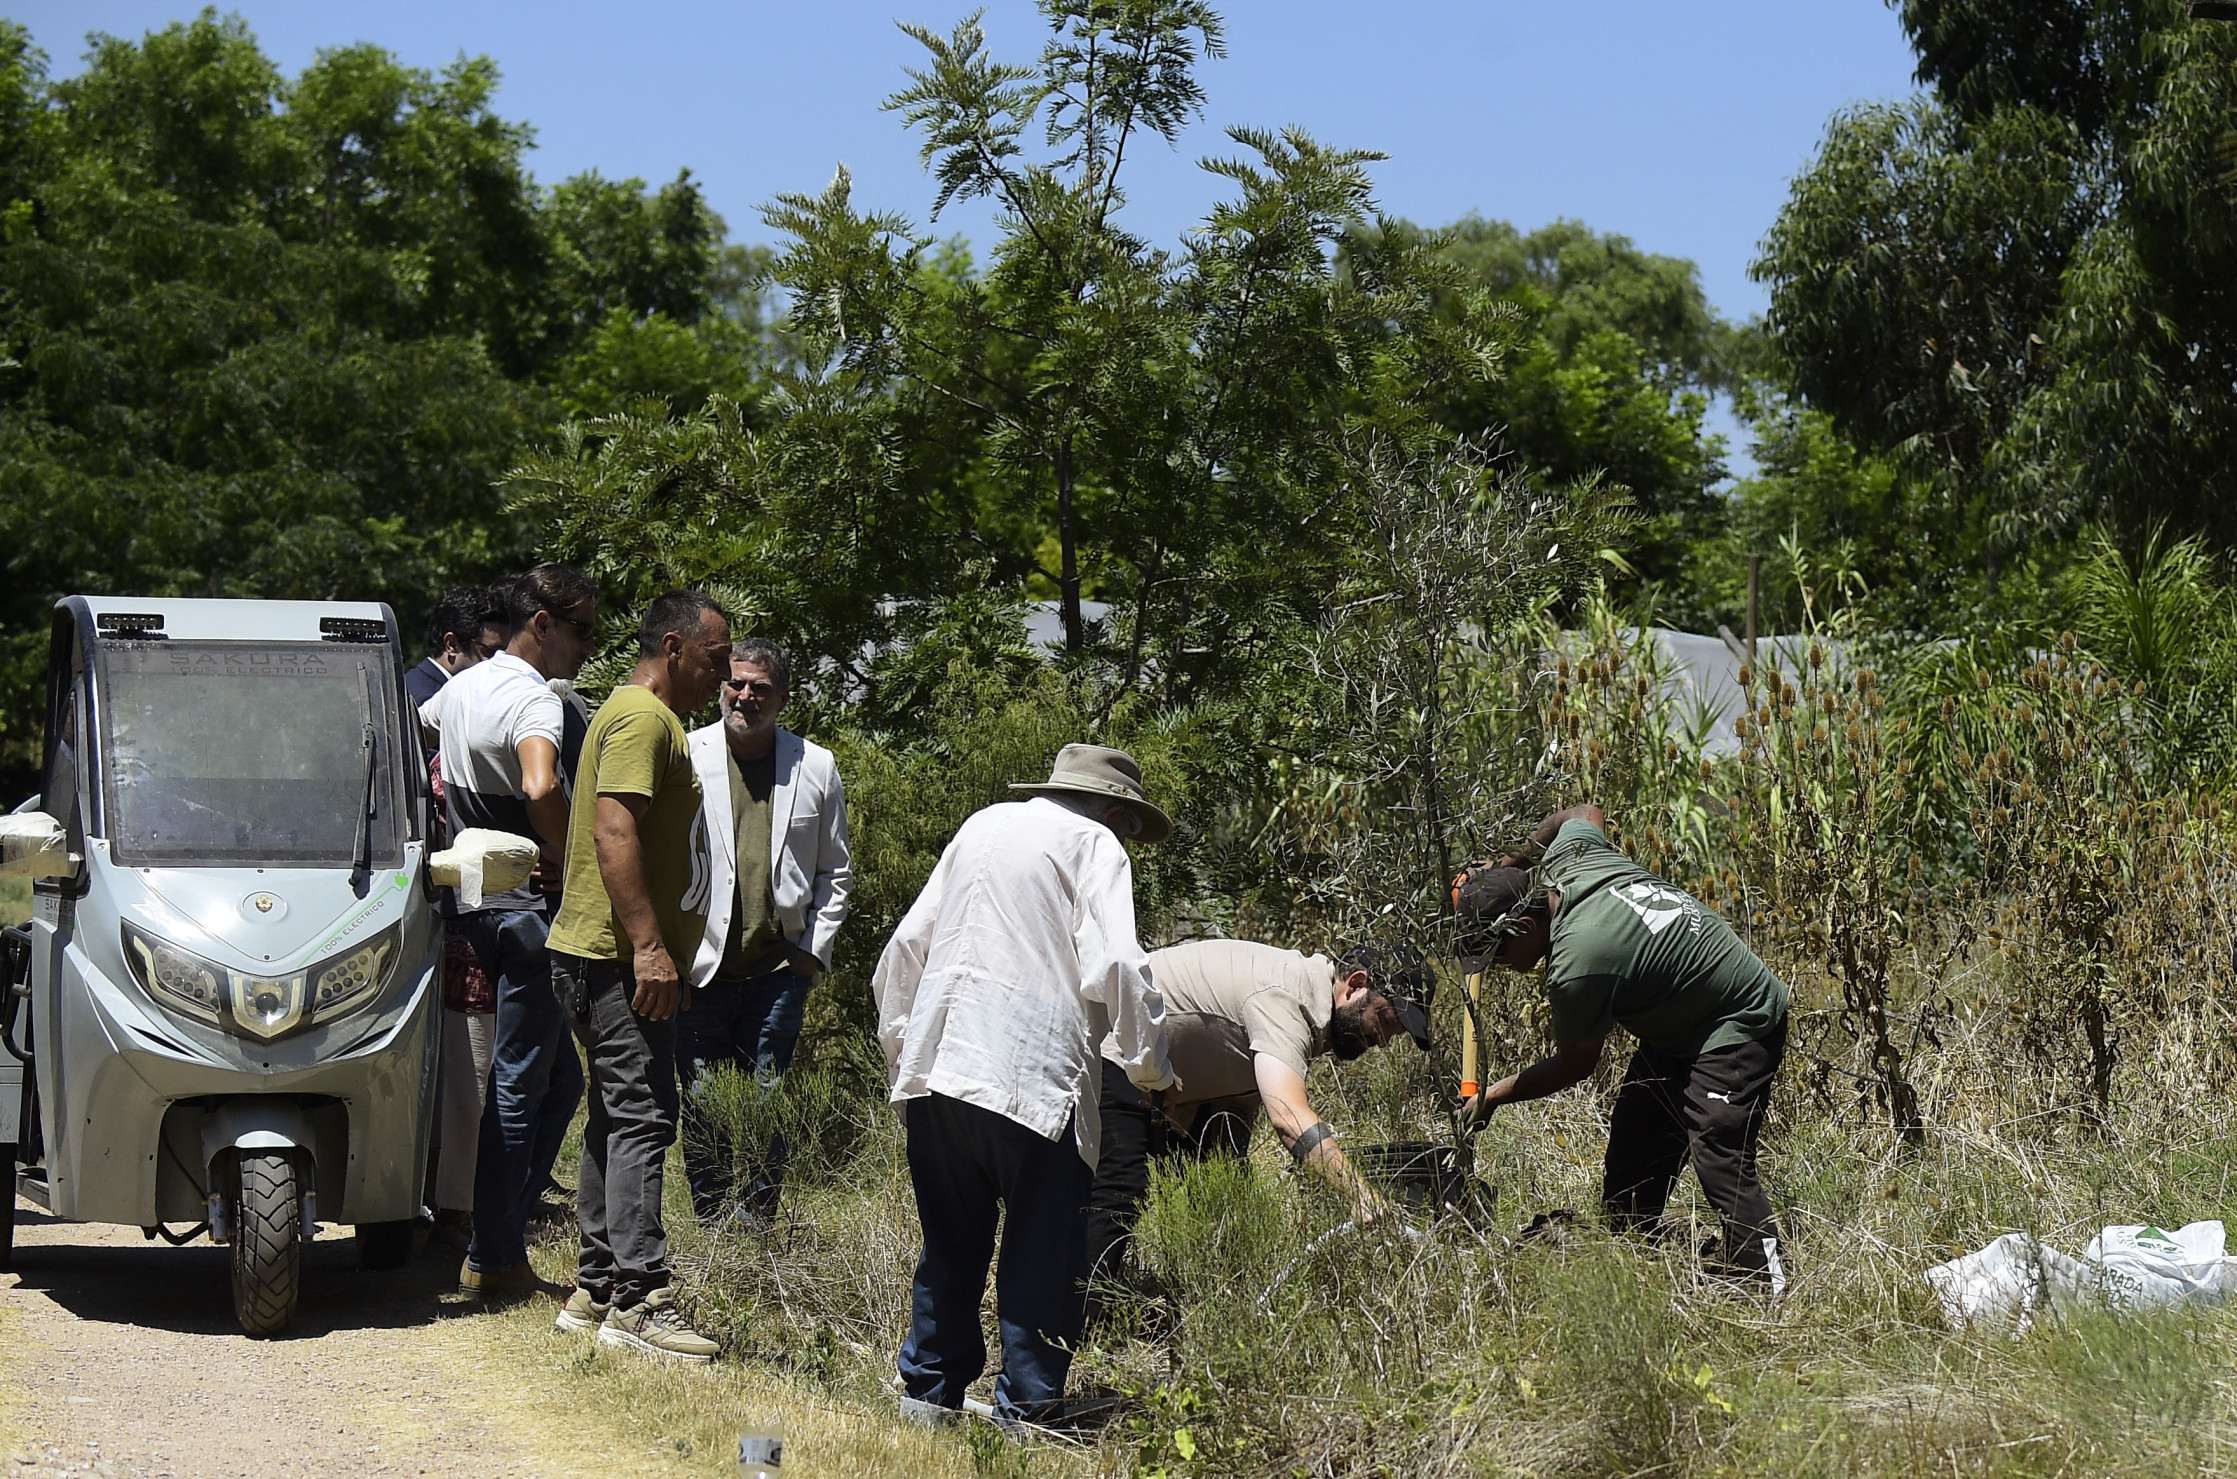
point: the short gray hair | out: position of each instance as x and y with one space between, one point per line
765 655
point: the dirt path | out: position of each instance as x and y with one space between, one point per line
124 1359
121 1357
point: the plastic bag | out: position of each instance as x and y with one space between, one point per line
481 861
2147 1266
33 845
2125 1267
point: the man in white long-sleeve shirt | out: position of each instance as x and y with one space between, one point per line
993 998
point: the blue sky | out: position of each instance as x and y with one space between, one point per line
1677 125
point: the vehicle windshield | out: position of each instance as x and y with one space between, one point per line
229 753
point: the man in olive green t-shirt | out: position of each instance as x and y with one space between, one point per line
633 909
1623 948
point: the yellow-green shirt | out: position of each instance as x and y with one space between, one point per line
636 747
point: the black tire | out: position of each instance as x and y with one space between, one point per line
384 1244
7 1205
267 1243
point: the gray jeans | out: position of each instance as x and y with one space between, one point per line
632 1067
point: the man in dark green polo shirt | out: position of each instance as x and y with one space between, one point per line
1623 948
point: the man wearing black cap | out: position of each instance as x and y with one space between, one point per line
1623 948
1244 1020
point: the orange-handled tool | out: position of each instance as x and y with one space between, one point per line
1469 1084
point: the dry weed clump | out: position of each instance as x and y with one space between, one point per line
1473 1352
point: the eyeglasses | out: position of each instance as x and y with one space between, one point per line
758 690
583 629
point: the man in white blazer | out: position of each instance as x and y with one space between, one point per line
776 830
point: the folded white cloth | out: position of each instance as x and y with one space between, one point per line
481 861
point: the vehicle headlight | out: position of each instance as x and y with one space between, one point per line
266 1007
175 978
262 1007
348 982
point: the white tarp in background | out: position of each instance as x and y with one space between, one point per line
2125 1267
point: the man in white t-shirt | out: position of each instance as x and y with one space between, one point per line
500 727
1244 1020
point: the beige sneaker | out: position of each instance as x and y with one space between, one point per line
654 1328
512 1282
581 1313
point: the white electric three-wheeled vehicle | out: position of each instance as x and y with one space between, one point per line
223 1011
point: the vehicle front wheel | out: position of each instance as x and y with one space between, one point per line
384 1244
267 1243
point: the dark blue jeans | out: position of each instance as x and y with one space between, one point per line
535 1081
752 1025
968 1164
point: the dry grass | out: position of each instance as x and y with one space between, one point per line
1475 1354
672 1419
822 1386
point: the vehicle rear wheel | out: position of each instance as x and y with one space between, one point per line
267 1243
384 1244
7 1205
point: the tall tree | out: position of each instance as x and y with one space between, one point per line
1617 357
273 337
2024 285
1108 416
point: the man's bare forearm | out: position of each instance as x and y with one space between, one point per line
621 866
1292 1116
1328 1162
548 815
1543 835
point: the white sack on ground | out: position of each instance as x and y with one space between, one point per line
480 862
33 845
2125 1267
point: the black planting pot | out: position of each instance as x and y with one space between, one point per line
1424 1175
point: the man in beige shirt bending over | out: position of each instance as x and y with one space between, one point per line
1243 1021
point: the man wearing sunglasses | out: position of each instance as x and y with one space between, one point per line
776 821
1623 948
500 729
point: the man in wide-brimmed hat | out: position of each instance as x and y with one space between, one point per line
993 997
